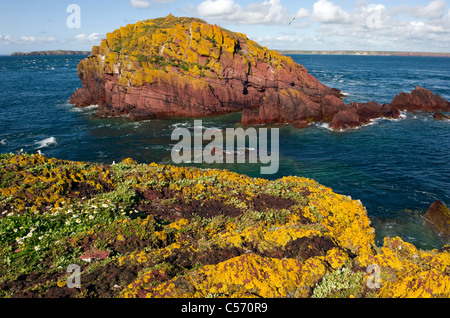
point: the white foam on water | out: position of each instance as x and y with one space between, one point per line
157 147
46 142
82 109
374 121
180 125
3 142
90 107
323 125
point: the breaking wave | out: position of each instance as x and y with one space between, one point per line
46 142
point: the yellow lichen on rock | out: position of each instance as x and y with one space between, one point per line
336 258
265 236
248 275
182 46
346 219
290 237
407 272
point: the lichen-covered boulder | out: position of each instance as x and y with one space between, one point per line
186 67
439 216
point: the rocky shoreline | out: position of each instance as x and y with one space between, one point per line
170 67
51 53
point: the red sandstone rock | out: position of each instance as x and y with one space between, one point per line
301 124
287 106
345 119
440 116
94 256
331 105
237 75
249 78
420 99
372 110
439 215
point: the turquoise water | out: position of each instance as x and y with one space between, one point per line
397 168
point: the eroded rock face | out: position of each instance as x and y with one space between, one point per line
172 66
440 116
187 67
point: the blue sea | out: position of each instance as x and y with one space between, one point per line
397 168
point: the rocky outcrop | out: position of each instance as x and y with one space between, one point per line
172 66
439 216
358 114
440 116
187 67
420 99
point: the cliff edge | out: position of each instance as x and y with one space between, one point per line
137 230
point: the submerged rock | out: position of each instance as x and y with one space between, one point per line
420 99
440 116
439 215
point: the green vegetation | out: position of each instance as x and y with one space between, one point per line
149 228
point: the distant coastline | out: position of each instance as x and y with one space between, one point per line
51 53
307 52
366 53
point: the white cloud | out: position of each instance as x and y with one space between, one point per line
214 8
374 27
325 11
8 39
92 38
417 25
140 4
266 12
434 9
366 25
32 39
302 13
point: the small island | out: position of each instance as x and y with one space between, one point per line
181 66
51 53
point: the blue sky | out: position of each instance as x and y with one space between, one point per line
398 25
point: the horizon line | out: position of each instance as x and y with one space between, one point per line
292 51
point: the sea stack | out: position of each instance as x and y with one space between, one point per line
179 66
186 67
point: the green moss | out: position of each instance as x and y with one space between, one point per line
341 283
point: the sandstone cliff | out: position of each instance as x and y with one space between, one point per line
186 67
